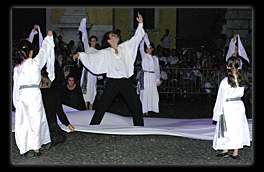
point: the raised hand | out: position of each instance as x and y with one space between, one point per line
139 18
75 56
35 26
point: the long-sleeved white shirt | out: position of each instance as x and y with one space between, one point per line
116 66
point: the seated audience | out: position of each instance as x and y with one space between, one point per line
71 94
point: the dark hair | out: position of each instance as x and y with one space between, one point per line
234 63
25 48
152 45
97 46
70 76
44 79
93 37
104 43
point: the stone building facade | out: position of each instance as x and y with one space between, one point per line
239 21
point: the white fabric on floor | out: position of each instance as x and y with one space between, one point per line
115 124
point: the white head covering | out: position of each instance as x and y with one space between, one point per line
241 50
32 34
51 57
40 38
82 28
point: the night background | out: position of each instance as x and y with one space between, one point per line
194 28
23 20
197 24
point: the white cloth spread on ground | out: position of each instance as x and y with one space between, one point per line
119 125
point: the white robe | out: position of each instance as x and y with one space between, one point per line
91 78
149 97
31 127
237 134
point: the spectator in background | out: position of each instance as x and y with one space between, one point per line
224 30
163 76
166 41
73 47
71 94
61 43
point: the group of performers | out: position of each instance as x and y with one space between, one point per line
35 124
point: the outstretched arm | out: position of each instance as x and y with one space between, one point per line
141 47
47 55
135 40
94 62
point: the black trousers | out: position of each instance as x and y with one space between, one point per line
112 88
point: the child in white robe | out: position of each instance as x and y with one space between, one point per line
232 130
150 72
88 79
31 127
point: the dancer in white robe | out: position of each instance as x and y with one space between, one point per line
31 127
150 75
232 130
88 80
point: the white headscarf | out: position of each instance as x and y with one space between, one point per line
241 50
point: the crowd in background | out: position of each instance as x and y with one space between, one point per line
195 70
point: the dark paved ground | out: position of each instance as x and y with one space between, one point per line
100 149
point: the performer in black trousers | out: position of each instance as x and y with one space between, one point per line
112 88
117 61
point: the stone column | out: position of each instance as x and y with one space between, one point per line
70 21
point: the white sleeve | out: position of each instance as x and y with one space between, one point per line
141 49
241 50
95 62
40 38
231 49
157 70
15 86
47 55
135 40
31 35
146 40
220 100
82 28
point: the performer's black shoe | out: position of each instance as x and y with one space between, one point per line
234 157
222 154
37 153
